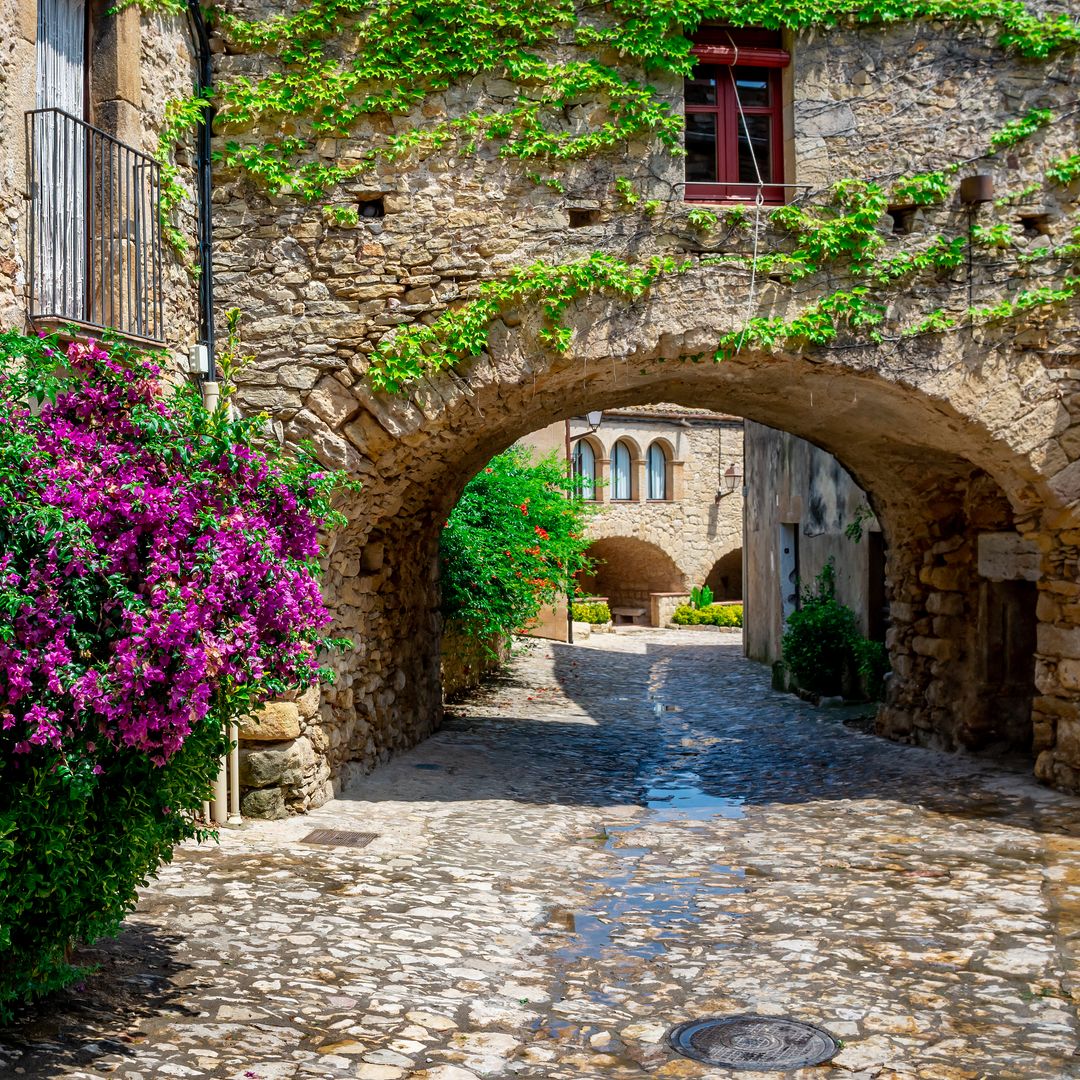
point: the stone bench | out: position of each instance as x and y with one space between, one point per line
623 615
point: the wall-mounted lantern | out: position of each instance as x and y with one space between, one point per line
730 479
594 419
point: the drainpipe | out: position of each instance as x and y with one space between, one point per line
225 806
570 591
200 41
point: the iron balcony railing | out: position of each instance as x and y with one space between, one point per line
94 230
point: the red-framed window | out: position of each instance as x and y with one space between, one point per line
723 141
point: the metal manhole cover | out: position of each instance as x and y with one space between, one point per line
753 1042
336 838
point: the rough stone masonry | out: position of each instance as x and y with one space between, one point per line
952 435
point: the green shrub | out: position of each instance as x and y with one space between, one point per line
872 665
713 615
597 613
823 648
73 853
514 543
158 577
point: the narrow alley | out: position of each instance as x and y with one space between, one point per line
609 840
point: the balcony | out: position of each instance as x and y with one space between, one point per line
94 230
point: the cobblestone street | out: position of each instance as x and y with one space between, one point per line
610 839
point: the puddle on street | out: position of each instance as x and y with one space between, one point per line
678 796
633 916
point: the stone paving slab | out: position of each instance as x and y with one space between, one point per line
610 839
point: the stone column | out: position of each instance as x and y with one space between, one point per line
1056 709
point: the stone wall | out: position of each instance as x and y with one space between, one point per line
284 757
791 483
467 661
950 435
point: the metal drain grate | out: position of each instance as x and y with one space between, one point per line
760 1043
336 838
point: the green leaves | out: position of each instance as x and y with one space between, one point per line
514 542
334 62
463 332
1016 131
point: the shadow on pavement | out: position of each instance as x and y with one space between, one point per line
129 978
689 726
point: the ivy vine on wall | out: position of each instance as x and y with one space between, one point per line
326 67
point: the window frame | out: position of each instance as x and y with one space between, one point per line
720 52
657 447
615 496
588 483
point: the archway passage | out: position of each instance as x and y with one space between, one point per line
726 577
929 428
628 572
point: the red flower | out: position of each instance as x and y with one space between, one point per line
541 532
524 507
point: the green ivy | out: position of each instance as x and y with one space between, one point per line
461 333
1064 170
1016 130
181 117
924 189
336 61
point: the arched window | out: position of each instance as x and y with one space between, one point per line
656 466
620 471
585 468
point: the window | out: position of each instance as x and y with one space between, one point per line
656 466
93 222
585 468
734 116
621 487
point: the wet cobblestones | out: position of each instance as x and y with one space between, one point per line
611 839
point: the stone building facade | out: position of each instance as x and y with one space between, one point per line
668 521
953 434
804 510
86 188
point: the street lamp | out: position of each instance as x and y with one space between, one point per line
730 479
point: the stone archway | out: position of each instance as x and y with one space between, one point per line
951 438
725 578
629 570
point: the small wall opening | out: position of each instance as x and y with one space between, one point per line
580 217
372 208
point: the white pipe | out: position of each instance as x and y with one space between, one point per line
219 804
234 774
206 812
211 394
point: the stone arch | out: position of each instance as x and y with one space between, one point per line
725 577
629 570
952 436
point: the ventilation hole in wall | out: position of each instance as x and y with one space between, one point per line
580 217
903 219
1035 224
372 208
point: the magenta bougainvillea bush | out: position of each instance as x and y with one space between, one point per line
158 575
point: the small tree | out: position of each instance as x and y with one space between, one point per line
514 543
